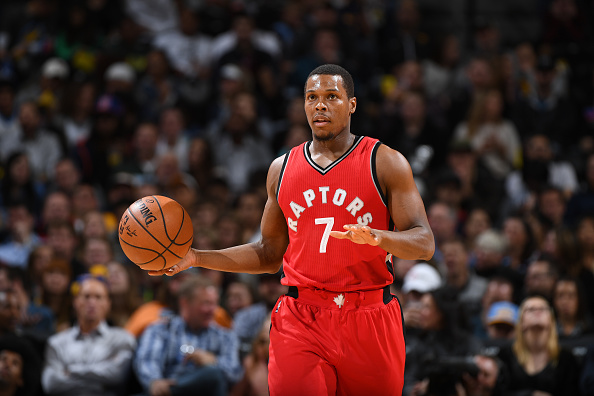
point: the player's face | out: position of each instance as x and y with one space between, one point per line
327 106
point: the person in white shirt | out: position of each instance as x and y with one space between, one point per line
91 358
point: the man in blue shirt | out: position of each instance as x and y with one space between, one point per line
189 354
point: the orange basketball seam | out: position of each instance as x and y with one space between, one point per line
173 242
152 236
143 248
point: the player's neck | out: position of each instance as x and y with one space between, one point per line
332 148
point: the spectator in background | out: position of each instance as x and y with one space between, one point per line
402 36
421 278
410 129
85 199
521 244
545 110
535 361
159 307
493 138
491 379
255 51
443 334
461 278
540 169
238 295
255 378
565 24
479 186
585 237
119 80
39 258
199 357
173 136
66 177
10 309
489 252
239 150
18 184
42 147
581 202
504 285
231 81
541 275
550 207
78 40
189 53
90 358
78 114
479 78
477 221
248 321
37 320
55 292
65 243
201 161
20 367
98 155
250 207
153 16
569 304
93 225
8 108
444 70
124 293
157 89
501 321
587 374
143 162
57 208
15 250
46 89
444 223
96 251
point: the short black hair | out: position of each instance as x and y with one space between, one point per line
335 70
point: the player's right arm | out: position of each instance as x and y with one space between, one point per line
264 256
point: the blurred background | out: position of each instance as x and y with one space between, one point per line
103 102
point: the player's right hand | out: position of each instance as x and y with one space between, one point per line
184 264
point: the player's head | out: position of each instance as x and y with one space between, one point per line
329 101
335 70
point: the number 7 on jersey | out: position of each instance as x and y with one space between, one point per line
329 221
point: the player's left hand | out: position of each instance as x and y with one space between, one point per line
362 235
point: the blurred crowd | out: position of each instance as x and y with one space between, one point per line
103 102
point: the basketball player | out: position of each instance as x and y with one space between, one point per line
332 203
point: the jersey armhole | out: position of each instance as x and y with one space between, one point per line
280 176
374 173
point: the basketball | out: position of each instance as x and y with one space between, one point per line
155 232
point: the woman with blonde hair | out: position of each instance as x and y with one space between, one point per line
537 364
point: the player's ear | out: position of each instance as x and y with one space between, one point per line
352 105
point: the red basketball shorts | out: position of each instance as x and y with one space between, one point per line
327 343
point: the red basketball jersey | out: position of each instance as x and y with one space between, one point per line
316 200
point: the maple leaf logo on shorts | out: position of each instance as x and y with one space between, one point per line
339 300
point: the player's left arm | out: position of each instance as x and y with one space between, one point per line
414 238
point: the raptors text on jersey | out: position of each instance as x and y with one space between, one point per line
317 200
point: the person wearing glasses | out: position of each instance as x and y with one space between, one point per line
537 364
